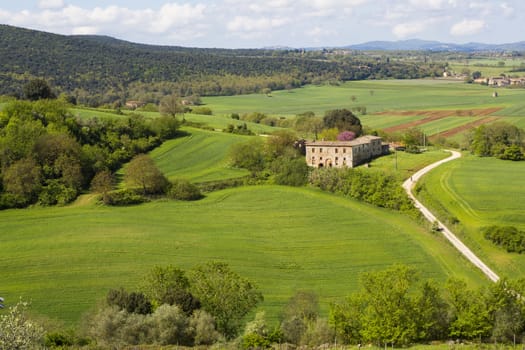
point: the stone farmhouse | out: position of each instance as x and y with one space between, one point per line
341 154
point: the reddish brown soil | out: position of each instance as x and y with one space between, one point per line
464 127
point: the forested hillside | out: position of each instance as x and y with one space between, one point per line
97 70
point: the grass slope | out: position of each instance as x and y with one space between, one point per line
201 156
284 239
481 192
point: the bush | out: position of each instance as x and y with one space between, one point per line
131 302
202 325
123 197
184 190
508 237
202 111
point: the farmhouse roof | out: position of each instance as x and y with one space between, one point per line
358 141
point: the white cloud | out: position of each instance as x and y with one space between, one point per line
429 4
404 30
467 27
249 24
507 10
50 4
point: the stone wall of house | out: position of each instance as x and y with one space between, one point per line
341 154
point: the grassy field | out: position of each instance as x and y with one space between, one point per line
284 239
488 67
376 95
481 192
201 156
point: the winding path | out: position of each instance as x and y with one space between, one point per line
409 184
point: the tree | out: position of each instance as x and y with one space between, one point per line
299 314
165 126
17 331
37 89
227 296
413 138
506 309
346 136
248 155
170 106
142 172
307 123
169 285
387 315
512 152
342 119
134 302
470 312
23 180
103 182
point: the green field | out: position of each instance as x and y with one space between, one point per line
481 192
201 156
376 95
489 67
285 239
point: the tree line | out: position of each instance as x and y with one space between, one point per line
210 304
501 140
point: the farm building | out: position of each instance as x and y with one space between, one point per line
340 154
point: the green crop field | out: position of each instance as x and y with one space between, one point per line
284 239
376 96
201 156
481 192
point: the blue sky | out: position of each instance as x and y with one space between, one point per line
263 23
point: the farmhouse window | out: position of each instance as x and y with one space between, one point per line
336 150
320 150
313 149
344 150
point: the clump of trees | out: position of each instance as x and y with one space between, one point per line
375 188
508 237
277 157
500 140
198 307
397 307
49 156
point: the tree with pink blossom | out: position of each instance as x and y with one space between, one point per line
346 136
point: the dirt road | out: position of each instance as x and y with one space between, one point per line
409 184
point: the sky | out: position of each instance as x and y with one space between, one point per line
271 23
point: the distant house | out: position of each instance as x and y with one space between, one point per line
499 81
134 104
341 154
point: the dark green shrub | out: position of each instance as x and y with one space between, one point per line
184 190
123 197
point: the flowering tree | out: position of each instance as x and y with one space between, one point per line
346 136
17 331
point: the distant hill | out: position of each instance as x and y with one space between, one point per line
426 45
102 70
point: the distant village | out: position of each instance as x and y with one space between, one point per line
499 81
